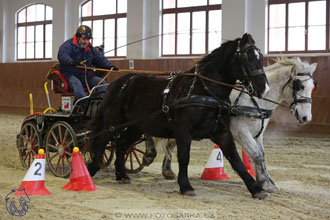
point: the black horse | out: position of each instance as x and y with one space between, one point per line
182 107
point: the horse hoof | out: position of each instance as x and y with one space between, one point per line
189 193
168 174
270 188
261 195
147 161
124 181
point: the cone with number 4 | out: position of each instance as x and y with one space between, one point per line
34 180
214 169
80 179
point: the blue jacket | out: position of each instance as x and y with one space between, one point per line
70 51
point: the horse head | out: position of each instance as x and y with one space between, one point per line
248 66
299 90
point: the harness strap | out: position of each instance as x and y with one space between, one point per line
253 112
262 119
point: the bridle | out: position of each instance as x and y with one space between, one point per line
296 86
241 54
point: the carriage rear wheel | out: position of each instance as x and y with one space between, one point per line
59 142
134 157
28 143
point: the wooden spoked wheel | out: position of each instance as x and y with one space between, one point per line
134 157
107 155
28 143
59 142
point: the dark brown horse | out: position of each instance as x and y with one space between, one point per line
182 107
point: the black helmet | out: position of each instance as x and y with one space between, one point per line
84 31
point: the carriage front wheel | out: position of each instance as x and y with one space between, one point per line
28 143
59 142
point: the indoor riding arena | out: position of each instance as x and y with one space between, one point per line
165 81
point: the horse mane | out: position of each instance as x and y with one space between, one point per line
211 61
295 62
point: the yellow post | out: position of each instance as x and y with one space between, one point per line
31 104
47 94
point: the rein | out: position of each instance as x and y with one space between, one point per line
164 73
154 72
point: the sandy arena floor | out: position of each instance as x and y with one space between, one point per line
298 163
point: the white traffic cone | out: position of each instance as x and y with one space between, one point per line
214 169
34 180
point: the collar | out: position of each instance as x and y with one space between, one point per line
75 42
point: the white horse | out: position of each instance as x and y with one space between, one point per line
290 80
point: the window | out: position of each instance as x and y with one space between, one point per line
34 32
190 27
298 26
108 20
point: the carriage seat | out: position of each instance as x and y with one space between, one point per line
59 84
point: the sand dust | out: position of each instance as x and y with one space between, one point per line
298 163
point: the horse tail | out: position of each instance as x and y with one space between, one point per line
110 114
96 127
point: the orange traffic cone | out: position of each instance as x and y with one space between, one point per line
214 169
34 180
247 163
80 179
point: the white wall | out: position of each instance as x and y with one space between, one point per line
1 30
244 16
143 21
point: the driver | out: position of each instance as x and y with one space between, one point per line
75 50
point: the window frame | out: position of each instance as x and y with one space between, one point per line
176 10
286 51
34 24
115 16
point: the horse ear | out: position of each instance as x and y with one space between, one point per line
247 38
313 68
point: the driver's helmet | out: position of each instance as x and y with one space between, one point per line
84 31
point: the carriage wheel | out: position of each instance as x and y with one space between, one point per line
107 155
28 143
60 140
134 157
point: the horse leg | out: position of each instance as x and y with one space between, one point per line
151 152
183 140
228 147
166 167
99 145
121 147
262 174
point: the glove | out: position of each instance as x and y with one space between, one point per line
114 68
74 63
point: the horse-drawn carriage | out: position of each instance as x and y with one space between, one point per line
188 106
59 131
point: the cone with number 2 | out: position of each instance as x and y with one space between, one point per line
214 169
34 180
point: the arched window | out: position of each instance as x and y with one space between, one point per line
108 20
34 32
190 27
